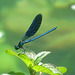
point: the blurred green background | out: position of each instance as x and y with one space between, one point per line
15 18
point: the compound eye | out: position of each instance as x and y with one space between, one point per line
16 47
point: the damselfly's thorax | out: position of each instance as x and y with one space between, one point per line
20 44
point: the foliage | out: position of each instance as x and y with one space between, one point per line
34 64
14 73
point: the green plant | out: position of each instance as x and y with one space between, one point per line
34 64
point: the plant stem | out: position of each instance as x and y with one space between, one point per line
40 73
32 72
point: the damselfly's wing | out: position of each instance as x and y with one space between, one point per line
34 27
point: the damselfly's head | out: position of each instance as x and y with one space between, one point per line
20 44
16 47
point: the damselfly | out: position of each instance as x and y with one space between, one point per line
31 31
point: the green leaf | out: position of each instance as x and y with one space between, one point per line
62 69
26 60
40 56
43 69
10 52
30 54
16 73
13 73
39 68
22 56
53 68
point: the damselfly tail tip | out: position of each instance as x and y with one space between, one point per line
55 27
